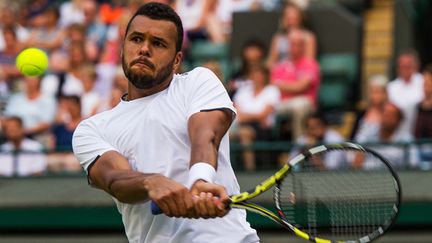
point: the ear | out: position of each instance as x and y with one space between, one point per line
177 61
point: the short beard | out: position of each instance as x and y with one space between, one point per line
142 81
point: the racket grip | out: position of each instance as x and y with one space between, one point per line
155 209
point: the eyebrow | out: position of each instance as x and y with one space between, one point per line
161 39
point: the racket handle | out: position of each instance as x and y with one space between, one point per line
155 209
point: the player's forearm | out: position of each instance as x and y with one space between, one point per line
129 186
204 149
206 130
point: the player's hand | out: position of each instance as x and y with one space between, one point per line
211 200
174 199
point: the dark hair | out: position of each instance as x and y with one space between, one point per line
74 98
159 11
318 115
254 43
16 119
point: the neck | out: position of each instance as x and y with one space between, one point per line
135 93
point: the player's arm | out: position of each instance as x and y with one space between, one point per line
206 129
112 173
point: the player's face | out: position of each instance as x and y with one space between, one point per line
149 53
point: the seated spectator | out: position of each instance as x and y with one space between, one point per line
423 127
67 82
71 12
200 20
255 106
385 140
317 133
96 31
35 109
67 119
46 35
90 100
253 53
298 80
8 70
280 47
369 119
406 91
20 156
9 18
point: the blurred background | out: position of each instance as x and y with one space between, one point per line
300 73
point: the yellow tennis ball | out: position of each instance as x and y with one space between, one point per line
32 62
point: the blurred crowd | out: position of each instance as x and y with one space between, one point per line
83 38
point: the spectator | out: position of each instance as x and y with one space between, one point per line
90 100
9 10
423 127
111 12
67 119
200 20
298 80
8 69
96 31
255 106
71 12
46 35
67 82
76 33
253 53
317 133
280 48
385 139
20 156
406 91
369 119
35 109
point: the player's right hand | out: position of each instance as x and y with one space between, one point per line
211 200
173 198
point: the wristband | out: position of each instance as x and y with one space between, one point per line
201 171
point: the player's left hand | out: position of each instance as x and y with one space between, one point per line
211 200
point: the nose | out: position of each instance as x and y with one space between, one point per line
145 49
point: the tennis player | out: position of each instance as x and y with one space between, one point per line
166 141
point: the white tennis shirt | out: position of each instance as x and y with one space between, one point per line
151 132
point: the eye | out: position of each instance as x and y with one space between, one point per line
136 39
158 44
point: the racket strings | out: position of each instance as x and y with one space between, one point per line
339 202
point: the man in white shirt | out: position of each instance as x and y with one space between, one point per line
406 91
165 142
20 156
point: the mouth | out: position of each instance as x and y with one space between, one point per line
143 63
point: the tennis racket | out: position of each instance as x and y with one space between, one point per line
330 193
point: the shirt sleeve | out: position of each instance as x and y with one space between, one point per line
207 92
88 143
